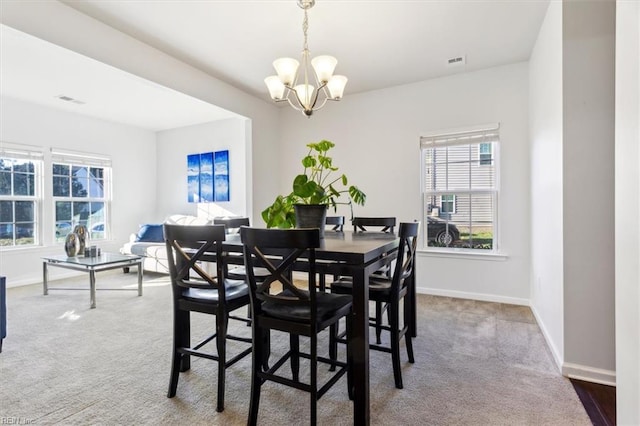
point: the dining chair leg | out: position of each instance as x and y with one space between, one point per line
395 344
314 378
350 384
408 316
257 362
184 337
378 322
222 323
294 343
266 349
180 339
333 345
175 372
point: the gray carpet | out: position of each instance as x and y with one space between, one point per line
477 363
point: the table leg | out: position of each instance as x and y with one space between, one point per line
92 287
45 278
140 272
360 347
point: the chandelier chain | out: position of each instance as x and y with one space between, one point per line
305 27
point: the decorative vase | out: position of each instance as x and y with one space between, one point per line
311 216
72 244
83 237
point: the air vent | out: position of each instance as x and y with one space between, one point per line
70 99
457 61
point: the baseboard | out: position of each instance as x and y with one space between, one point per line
589 374
473 296
575 371
547 337
59 275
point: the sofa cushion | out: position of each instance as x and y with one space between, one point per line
150 233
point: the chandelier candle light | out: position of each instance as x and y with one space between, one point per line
304 96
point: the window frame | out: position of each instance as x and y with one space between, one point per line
469 136
81 161
36 157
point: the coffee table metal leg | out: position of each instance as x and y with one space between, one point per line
45 277
140 272
92 287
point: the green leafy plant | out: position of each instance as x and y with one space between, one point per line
317 184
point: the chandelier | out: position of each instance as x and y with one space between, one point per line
296 87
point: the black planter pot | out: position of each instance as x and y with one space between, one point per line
311 216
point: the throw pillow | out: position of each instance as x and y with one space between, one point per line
150 233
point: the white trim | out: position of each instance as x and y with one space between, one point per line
80 158
457 130
471 254
589 374
473 296
554 350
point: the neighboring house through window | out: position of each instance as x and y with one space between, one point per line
81 194
460 188
448 203
20 197
486 154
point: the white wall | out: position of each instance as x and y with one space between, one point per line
377 136
545 125
133 154
588 188
627 217
80 33
173 147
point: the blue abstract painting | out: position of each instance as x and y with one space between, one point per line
193 178
208 177
221 175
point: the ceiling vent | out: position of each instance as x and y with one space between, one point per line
70 99
457 61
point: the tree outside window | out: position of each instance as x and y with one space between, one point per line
18 201
79 195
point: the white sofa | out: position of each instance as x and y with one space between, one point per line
155 252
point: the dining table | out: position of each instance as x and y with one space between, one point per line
355 254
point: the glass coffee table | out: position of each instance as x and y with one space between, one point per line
91 265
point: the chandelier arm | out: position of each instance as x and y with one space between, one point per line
302 104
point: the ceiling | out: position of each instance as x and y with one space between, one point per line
378 44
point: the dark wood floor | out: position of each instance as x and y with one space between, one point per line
598 400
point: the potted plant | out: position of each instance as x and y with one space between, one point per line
316 189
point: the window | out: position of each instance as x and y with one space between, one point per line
448 203
19 197
486 154
81 194
460 189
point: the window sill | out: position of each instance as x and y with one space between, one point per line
463 254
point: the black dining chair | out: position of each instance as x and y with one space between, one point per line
236 271
195 290
336 222
386 224
382 224
337 225
277 303
390 292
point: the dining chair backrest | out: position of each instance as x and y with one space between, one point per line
187 247
232 224
336 221
405 260
277 251
387 224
